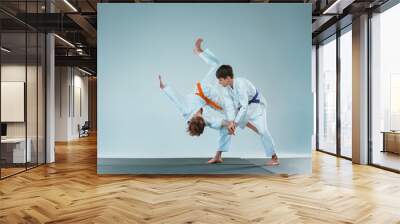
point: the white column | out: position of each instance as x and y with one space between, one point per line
360 90
50 110
50 92
314 93
63 101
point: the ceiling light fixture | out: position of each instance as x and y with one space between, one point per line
5 50
326 11
84 71
64 40
70 5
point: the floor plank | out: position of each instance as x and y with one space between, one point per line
70 191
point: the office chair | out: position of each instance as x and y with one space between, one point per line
84 130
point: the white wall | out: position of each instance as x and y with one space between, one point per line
70 83
79 117
33 127
12 73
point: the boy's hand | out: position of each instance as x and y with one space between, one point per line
226 124
197 46
162 85
231 127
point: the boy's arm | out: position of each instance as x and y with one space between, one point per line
229 107
213 122
208 57
217 123
226 124
173 96
243 102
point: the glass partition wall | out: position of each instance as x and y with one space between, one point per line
327 95
346 74
385 89
334 93
22 77
334 100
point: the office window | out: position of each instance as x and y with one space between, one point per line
346 92
395 101
385 88
327 95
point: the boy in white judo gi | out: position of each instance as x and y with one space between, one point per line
208 94
251 107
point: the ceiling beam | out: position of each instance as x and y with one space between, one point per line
82 61
86 26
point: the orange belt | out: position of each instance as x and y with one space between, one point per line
208 101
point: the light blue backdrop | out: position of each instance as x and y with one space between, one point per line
269 44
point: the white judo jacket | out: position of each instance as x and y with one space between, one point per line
191 103
242 92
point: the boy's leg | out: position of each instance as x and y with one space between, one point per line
260 124
217 158
224 143
252 127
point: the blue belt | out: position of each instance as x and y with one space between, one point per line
254 99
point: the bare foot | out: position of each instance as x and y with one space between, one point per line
272 162
215 160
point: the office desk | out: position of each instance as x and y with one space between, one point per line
13 150
391 141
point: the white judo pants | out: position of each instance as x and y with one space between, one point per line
257 116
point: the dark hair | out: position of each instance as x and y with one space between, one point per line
196 126
224 71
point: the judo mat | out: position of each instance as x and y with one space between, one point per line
179 166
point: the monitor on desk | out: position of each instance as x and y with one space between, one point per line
3 130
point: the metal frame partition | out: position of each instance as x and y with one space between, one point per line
339 32
36 33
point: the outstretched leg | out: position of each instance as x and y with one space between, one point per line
252 127
260 127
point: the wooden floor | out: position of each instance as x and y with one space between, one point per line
387 159
5 172
70 191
